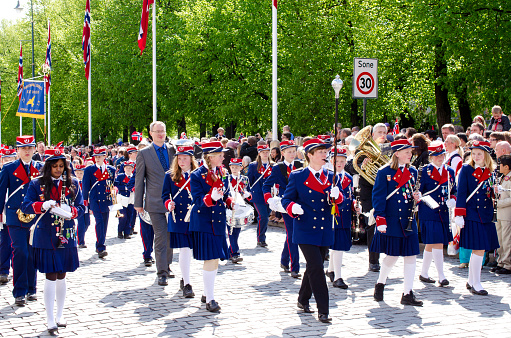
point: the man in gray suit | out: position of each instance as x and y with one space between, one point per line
152 163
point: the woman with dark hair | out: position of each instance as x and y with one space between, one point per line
275 154
420 142
54 239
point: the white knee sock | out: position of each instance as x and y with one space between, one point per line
331 262
338 263
209 284
474 271
409 274
386 265
49 302
185 257
438 256
61 297
427 257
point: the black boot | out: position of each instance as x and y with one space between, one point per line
378 292
409 299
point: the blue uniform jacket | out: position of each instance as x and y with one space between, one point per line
208 215
12 176
98 194
345 208
253 176
430 180
121 182
278 179
45 231
480 207
183 201
395 211
315 225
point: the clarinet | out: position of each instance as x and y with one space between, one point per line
60 231
496 196
417 186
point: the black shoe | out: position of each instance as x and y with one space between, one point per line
148 262
31 297
53 331
426 280
82 246
503 271
339 283
127 237
262 244
4 278
19 301
188 291
295 274
102 254
152 260
306 308
236 259
212 306
492 264
120 236
162 280
181 284
134 232
480 292
285 268
324 318
374 267
409 299
378 292
203 299
443 282
327 257
330 274
62 324
468 286
495 268
171 274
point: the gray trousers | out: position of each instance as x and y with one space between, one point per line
162 250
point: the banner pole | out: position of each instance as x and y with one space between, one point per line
154 61
275 135
49 117
89 104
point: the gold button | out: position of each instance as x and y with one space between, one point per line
314 227
321 228
322 218
310 191
399 209
306 182
322 209
198 211
322 200
312 201
212 211
314 217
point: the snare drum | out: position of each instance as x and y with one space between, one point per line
243 216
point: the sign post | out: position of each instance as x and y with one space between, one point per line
365 81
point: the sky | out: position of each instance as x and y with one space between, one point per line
7 9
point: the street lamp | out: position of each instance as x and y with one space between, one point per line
337 85
19 9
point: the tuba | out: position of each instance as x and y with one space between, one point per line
364 143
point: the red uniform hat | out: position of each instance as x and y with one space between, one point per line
483 145
54 154
130 163
315 143
341 151
236 161
9 153
212 147
262 148
185 150
131 150
80 167
436 148
325 138
25 141
287 144
401 145
99 151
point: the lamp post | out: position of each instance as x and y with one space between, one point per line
337 85
20 9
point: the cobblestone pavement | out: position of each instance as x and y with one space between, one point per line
120 297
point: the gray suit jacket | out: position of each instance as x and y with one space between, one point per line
149 179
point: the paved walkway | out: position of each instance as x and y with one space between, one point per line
119 297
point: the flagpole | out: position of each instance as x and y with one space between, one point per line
89 99
154 61
49 117
274 70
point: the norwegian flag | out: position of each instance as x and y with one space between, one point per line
47 77
20 73
136 136
86 47
142 32
241 134
395 131
183 136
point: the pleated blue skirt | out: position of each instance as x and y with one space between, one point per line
479 236
58 260
433 232
342 239
395 246
179 240
207 246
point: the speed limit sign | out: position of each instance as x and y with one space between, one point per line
365 78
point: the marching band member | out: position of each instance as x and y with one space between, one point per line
278 180
83 220
258 172
54 243
504 217
474 211
208 221
342 222
14 181
393 196
438 181
121 183
177 199
132 152
308 200
239 184
8 155
97 183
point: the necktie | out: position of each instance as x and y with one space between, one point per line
162 159
291 167
186 176
317 177
27 169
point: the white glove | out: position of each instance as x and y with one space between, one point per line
459 221
1 225
334 193
297 209
246 194
172 206
216 194
65 207
451 203
47 205
382 228
271 203
500 189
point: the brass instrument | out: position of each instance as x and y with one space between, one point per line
416 189
25 218
113 197
364 143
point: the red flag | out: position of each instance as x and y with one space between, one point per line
275 3
20 73
86 47
142 33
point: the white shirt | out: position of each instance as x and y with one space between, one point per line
102 167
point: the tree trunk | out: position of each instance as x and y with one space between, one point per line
202 130
231 130
443 108
354 113
181 127
464 107
215 128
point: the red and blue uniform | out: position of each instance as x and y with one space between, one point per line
83 221
121 183
342 223
256 189
234 233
